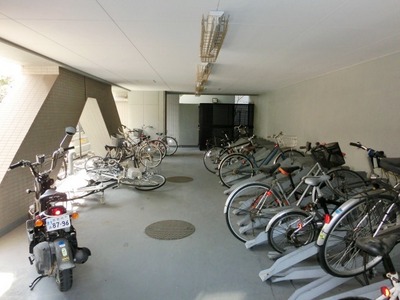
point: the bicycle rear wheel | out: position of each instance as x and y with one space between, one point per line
234 168
160 145
246 210
149 156
212 158
94 162
172 144
338 254
290 231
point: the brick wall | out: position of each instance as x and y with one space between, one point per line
34 122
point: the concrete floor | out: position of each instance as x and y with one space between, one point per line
128 264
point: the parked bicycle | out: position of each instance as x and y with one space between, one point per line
367 214
170 142
225 145
129 172
236 167
248 208
145 151
214 155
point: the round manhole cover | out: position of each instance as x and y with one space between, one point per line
169 230
179 179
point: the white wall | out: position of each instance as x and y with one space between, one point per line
143 109
188 125
360 103
92 122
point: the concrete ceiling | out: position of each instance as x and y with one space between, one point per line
155 44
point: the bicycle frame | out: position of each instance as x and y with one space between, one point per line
284 198
266 159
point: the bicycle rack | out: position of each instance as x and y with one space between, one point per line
262 238
285 268
370 291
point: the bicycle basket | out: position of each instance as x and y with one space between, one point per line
329 155
117 140
137 133
288 141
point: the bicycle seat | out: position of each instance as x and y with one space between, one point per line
110 147
379 245
316 180
288 170
390 164
248 149
269 170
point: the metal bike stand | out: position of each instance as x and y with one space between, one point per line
285 268
318 287
371 291
262 238
299 273
289 260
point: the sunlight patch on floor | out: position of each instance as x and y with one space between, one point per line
6 280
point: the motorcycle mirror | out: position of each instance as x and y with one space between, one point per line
70 130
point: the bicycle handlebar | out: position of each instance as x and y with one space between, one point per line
18 164
56 154
371 152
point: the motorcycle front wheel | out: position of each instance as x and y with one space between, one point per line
64 279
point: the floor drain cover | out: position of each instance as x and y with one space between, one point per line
169 230
179 179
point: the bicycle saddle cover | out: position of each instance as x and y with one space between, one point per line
379 245
270 169
288 170
390 164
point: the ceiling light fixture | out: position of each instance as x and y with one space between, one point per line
199 88
213 31
203 71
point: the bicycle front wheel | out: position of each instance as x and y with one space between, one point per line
346 183
147 182
246 210
102 170
290 156
234 168
338 254
291 230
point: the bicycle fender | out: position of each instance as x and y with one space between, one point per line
343 208
284 210
335 216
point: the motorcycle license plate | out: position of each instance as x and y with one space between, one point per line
56 223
